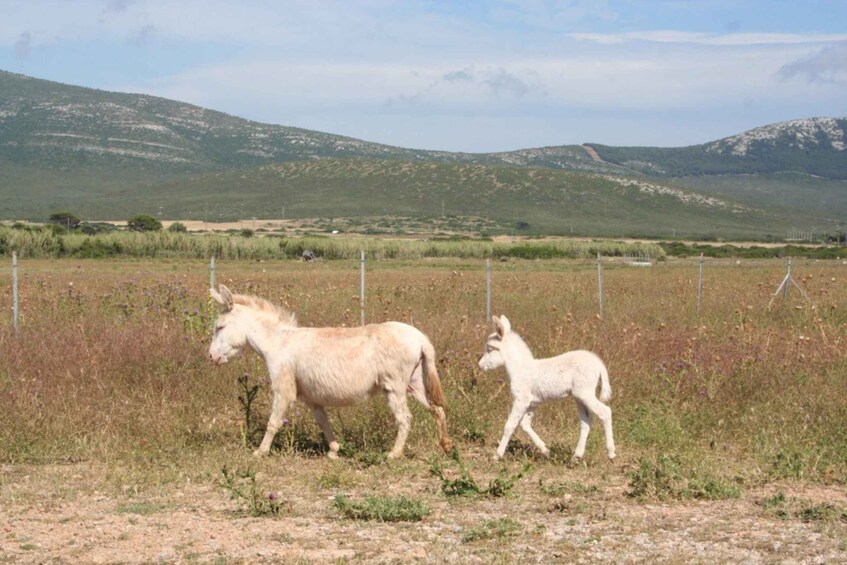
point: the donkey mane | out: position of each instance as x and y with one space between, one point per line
286 317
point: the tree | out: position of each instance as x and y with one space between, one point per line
144 222
65 219
177 227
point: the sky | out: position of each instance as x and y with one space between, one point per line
474 76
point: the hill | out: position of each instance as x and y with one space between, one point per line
813 146
65 127
536 200
108 155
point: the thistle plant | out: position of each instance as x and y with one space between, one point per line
242 485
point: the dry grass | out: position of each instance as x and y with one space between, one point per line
109 373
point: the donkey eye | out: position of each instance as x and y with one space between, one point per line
219 328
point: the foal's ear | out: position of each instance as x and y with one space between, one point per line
223 298
502 325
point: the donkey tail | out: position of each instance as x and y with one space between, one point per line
605 387
435 395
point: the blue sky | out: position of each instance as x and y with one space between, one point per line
458 76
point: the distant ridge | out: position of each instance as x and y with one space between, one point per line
815 146
108 154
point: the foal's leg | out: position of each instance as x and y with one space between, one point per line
326 428
526 426
584 428
284 392
604 414
519 408
397 403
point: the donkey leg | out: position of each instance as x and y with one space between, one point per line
604 414
326 428
584 428
526 426
398 405
282 397
418 393
519 408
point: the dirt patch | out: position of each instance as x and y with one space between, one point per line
73 513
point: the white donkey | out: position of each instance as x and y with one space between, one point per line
331 366
535 381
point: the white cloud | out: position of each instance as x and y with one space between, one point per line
829 65
23 45
702 38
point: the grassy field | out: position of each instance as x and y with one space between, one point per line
119 442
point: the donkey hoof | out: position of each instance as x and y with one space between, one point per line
332 454
259 453
495 457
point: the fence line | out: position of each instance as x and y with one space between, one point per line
782 289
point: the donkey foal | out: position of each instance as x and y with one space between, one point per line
535 381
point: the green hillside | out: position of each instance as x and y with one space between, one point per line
536 199
824 198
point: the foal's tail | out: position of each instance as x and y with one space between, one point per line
435 394
605 387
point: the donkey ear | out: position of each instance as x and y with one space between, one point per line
224 297
502 324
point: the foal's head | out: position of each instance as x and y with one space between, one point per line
492 357
240 315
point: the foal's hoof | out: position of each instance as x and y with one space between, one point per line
495 457
332 454
259 453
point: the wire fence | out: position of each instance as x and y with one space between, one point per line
783 288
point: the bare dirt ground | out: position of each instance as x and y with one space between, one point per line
84 513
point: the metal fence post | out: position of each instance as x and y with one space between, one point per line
212 272
700 284
787 278
362 286
600 285
15 308
487 290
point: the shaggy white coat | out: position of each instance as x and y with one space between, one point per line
331 366
535 381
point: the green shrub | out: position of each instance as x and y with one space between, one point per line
144 222
383 508
493 529
663 478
